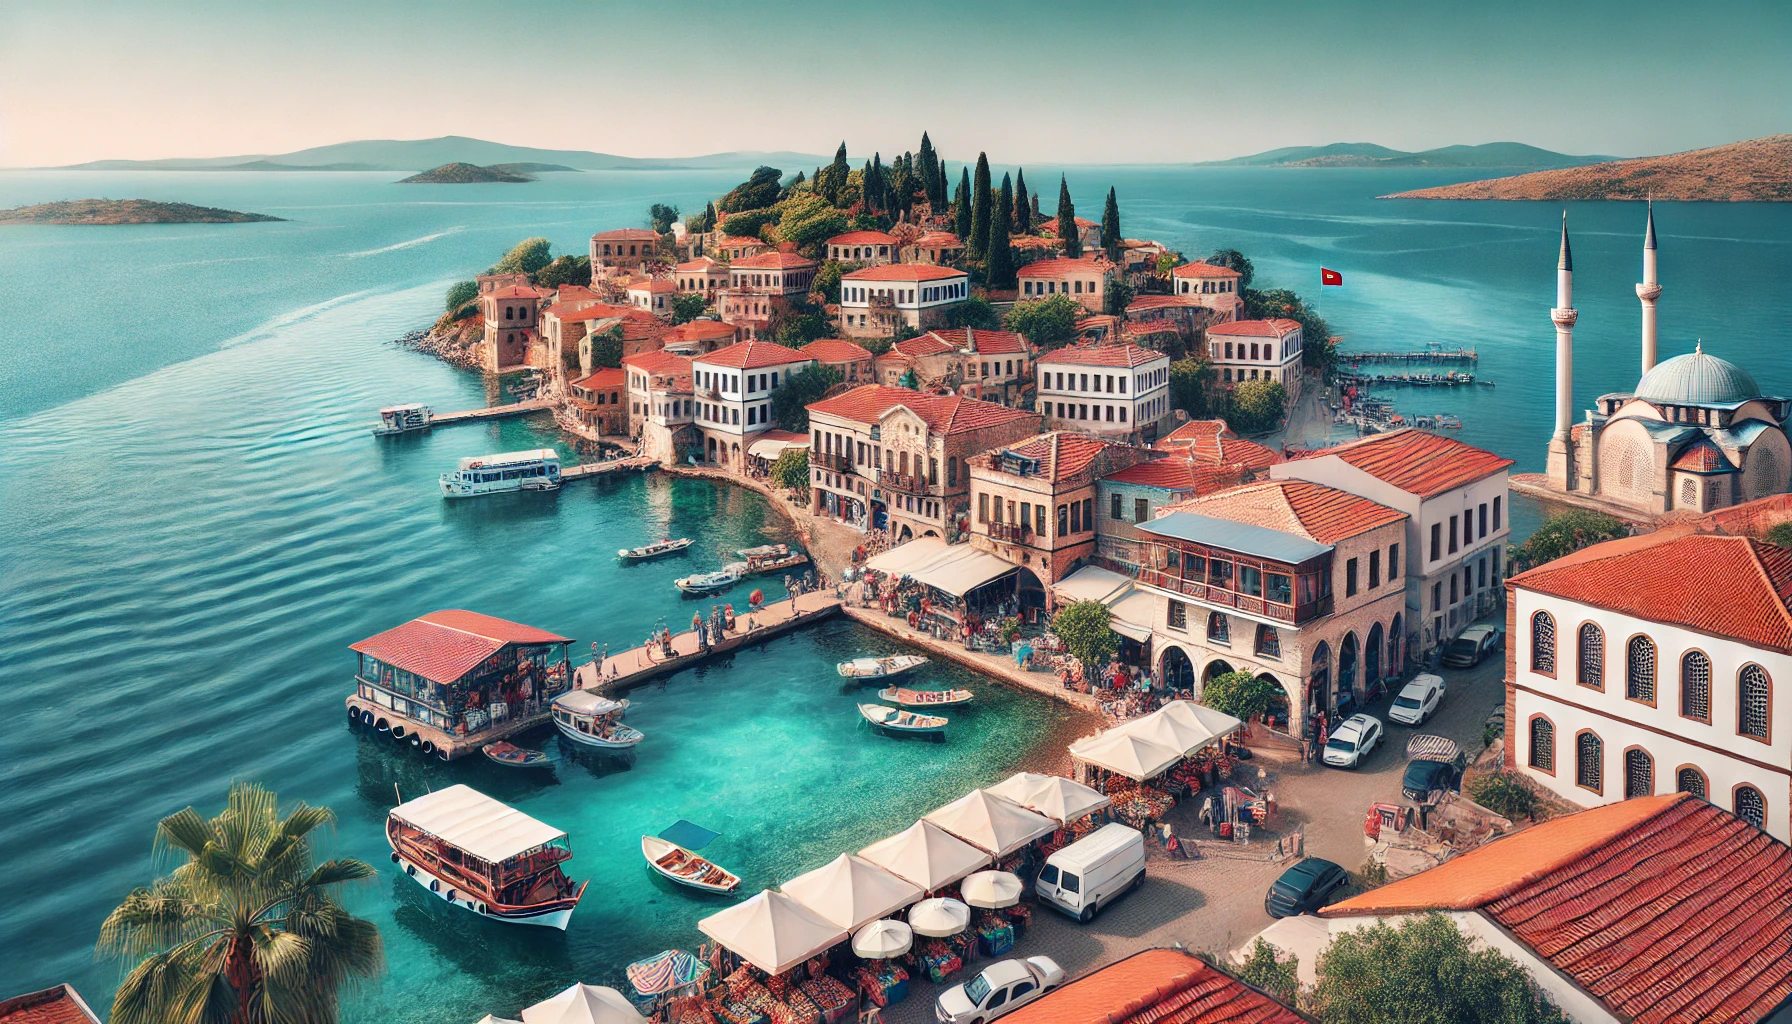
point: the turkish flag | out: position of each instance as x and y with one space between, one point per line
1330 277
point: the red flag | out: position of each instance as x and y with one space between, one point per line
1330 277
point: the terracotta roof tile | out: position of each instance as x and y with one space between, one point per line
1200 269
1061 453
702 264
658 362
651 285
58 1005
1415 461
1663 908
443 646
700 330
774 261
944 414
1703 457
1061 267
863 238
987 343
1255 328
1145 302
607 377
1319 513
515 291
835 350
903 272
752 355
1178 474
1214 443
739 241
939 240
1107 355
1156 986
627 235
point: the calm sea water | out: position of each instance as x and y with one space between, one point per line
194 523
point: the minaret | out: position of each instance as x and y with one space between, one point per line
1647 292
1561 450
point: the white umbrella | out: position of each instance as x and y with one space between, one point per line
883 939
939 916
992 889
584 1004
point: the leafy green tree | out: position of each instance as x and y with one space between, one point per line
565 270
809 221
1425 971
1119 295
1192 388
1564 534
1166 262
1317 348
1110 226
792 469
827 279
973 312
1270 970
961 206
1023 206
460 293
662 217
789 403
247 928
1503 793
796 184
1073 243
1779 536
1001 256
526 257
1048 323
1239 694
1085 628
974 246
760 190
1258 405
1235 260
687 306
750 223
606 348
798 328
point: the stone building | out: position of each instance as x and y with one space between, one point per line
991 365
852 362
1132 497
702 276
874 248
1085 280
939 248
1218 288
696 337
599 403
662 409
510 314
624 251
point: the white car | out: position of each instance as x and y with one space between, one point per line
1352 741
1418 700
1000 987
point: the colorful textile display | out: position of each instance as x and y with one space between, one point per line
802 1008
995 935
1137 804
884 982
834 999
939 960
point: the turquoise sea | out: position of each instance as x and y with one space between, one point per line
194 523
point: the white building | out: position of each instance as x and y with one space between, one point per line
1085 280
1212 286
1117 391
1457 533
733 395
661 408
873 247
875 301
1647 665
1257 350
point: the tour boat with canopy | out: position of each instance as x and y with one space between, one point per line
923 698
591 720
880 668
901 721
657 549
402 419
485 857
537 469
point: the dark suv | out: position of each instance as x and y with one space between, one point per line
1435 769
1304 887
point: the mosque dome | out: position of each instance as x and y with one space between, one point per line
1697 379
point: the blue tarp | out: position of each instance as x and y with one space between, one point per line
688 835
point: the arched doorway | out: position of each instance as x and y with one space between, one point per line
1178 672
1372 656
1397 644
906 534
1280 715
1319 679
1031 594
1216 667
1347 669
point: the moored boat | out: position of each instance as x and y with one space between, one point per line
537 469
591 720
403 419
771 558
512 756
657 549
923 698
710 582
897 720
484 857
686 868
880 668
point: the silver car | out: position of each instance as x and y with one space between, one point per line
1002 986
1352 741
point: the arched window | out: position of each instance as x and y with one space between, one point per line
1269 642
1590 669
1753 695
1219 630
1751 806
1589 762
1639 669
1543 745
1691 780
1695 686
1639 773
1543 643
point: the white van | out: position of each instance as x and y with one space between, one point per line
1092 872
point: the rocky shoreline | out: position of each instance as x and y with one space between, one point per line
457 344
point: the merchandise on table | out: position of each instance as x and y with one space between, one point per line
995 935
939 960
884 982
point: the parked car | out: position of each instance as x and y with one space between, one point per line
1471 647
1351 741
1435 769
1304 887
1092 872
1418 700
1002 986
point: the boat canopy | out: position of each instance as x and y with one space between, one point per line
407 407
851 891
586 702
584 1004
926 855
771 931
994 824
956 569
510 459
474 823
1051 795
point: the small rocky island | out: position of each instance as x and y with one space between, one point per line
125 211
468 174
1756 171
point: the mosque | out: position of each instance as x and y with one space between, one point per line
1695 434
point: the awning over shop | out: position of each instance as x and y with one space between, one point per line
956 569
851 891
1131 609
772 443
994 824
1218 723
771 931
904 559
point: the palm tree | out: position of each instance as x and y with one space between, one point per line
246 930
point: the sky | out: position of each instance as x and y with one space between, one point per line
1036 80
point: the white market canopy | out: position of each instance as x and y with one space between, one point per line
1130 608
489 1019
850 891
1173 732
584 1004
1122 753
769 448
1216 722
926 855
956 569
991 823
771 931
1304 935
1051 795
474 823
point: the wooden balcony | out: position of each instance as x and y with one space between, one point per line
1220 597
838 462
902 482
1012 533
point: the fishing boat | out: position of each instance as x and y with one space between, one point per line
657 549
701 583
686 868
535 470
512 756
591 720
485 857
923 698
901 721
403 419
771 558
880 668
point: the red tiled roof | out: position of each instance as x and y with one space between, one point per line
574 293
1156 986
1192 431
903 272
443 646
1107 355
701 264
835 350
1703 457
925 345
1201 269
651 285
1319 513
627 235
58 1005
939 240
607 377
598 311
1061 267
658 362
944 414
751 355
1145 302
515 291
1670 576
1178 474
863 238
1061 453
736 241
1213 442
773 261
1276 328
700 330
1663 908
987 343
1415 461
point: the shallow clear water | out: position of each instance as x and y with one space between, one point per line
194 523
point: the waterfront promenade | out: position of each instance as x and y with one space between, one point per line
624 670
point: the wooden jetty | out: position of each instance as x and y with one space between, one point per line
1430 355
588 470
492 412
624 670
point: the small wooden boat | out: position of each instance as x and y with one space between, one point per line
657 549
590 720
880 668
923 698
686 868
715 582
901 721
771 558
512 756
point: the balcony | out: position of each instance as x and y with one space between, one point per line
902 482
837 462
1012 533
1220 597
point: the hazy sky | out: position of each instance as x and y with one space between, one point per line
1037 80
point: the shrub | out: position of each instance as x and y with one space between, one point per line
461 293
1503 793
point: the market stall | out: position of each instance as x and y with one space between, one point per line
926 855
995 824
772 931
1054 796
851 891
584 1004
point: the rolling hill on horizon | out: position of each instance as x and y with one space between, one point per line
1755 170
1368 154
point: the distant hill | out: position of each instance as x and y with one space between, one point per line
423 154
528 167
1757 171
1368 154
124 211
463 174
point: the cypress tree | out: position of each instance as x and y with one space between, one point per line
1073 245
876 188
961 206
941 185
1006 212
974 248
709 217
929 174
1023 206
1110 226
1001 257
831 182
1037 217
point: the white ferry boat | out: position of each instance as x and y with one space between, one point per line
535 470
402 419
